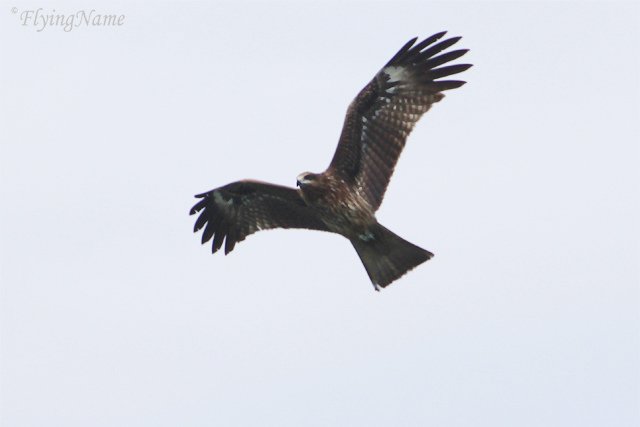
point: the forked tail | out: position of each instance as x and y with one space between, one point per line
387 256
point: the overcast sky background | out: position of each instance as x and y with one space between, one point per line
524 183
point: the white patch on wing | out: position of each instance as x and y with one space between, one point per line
224 204
395 73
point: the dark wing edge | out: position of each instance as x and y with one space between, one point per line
230 213
383 114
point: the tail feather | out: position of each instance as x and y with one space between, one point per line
386 256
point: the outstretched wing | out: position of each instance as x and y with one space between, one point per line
383 114
241 208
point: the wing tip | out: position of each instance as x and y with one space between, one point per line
448 70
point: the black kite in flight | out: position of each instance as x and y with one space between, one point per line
344 198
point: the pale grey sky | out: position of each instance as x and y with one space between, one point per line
524 183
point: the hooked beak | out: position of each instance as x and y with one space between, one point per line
298 183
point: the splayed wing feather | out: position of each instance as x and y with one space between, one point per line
383 114
230 213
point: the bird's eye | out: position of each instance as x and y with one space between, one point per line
308 177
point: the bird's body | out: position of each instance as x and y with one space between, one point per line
344 198
343 211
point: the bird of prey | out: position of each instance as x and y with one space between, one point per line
344 198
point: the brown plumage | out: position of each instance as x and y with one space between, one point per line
345 197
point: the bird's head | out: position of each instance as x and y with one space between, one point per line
306 178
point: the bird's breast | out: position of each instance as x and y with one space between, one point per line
343 211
